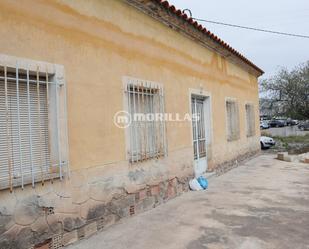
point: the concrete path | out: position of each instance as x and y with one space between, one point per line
261 204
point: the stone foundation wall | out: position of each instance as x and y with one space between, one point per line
48 232
60 213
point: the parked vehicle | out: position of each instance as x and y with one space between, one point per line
291 122
304 126
266 142
264 125
277 123
295 122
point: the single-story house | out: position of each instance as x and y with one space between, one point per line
73 157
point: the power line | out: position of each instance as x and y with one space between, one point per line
251 28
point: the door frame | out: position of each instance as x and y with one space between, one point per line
208 119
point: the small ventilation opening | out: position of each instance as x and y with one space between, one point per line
45 245
132 210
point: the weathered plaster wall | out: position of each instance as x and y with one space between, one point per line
92 199
98 42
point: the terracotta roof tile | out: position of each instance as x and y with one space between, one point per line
198 26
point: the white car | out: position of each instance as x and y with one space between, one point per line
264 125
266 142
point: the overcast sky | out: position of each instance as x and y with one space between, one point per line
268 51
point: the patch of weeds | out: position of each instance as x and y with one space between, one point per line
292 144
293 139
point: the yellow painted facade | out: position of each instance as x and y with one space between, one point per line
100 41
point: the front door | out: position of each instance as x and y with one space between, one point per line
199 135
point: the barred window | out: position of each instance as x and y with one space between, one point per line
147 134
30 129
232 113
250 120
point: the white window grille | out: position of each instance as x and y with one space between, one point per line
198 127
147 131
32 124
232 117
250 120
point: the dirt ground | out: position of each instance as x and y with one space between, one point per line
263 203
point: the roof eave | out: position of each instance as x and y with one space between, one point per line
175 19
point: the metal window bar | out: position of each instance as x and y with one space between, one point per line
7 130
135 140
26 80
58 129
142 108
149 122
139 132
19 135
30 126
145 142
153 125
67 163
164 125
158 130
48 164
131 130
147 128
39 123
137 147
24 127
144 154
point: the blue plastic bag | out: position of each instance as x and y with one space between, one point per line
203 182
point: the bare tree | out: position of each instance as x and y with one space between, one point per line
290 91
